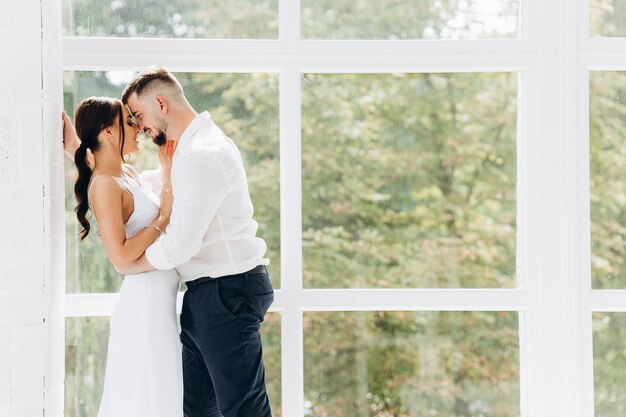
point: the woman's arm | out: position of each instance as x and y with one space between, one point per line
71 141
165 159
106 199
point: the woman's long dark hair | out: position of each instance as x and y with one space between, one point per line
91 116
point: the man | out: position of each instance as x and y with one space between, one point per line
211 241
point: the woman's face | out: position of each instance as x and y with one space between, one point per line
131 131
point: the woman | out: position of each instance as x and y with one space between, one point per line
143 374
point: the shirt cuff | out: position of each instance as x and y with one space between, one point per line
155 254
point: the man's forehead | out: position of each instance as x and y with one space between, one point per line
131 113
132 101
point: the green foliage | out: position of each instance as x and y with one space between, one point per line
607 153
409 19
86 341
607 18
400 171
230 19
406 364
609 354
321 19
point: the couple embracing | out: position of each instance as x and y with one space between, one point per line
191 221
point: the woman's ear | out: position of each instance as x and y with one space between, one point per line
108 133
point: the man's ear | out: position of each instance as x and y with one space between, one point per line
161 103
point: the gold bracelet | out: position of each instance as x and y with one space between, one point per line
157 228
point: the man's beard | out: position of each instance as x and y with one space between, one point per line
161 127
160 138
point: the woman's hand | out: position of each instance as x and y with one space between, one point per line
166 153
71 141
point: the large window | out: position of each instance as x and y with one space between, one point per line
440 184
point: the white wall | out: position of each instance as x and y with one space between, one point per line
32 247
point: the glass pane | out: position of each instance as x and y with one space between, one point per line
609 364
608 18
271 333
607 107
86 340
245 106
225 19
410 19
402 171
411 364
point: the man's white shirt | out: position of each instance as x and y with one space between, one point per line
211 230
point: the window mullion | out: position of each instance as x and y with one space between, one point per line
289 21
550 338
581 217
291 242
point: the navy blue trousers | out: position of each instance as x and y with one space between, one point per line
223 369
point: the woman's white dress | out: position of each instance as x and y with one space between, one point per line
143 376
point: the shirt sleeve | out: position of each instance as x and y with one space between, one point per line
199 186
155 178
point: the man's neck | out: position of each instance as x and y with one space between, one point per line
184 118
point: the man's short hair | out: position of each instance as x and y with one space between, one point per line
145 80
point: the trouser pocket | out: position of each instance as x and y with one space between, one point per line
264 294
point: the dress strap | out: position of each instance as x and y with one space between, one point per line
93 180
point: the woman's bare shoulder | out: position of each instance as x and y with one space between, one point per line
103 186
105 198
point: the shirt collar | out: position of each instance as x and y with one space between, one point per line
201 120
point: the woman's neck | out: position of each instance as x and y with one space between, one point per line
108 165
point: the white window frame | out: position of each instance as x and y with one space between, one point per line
554 297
